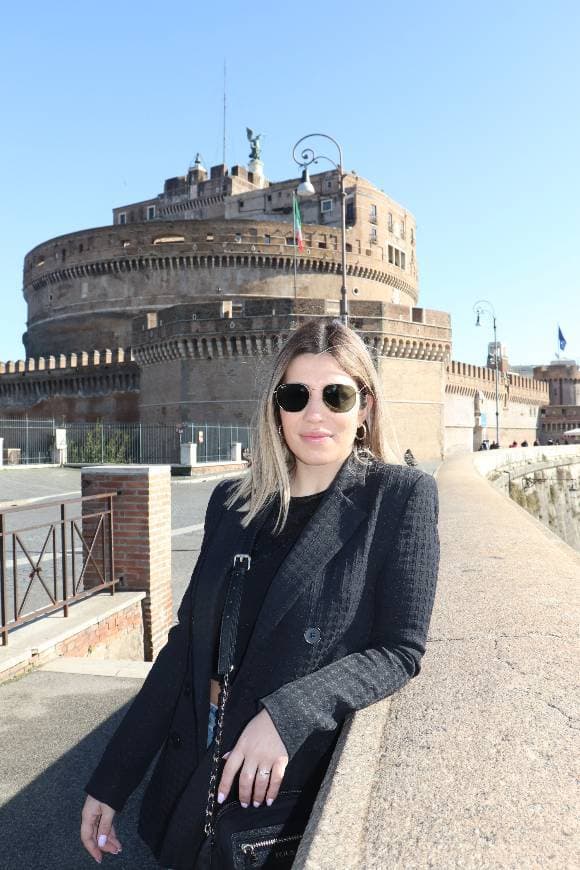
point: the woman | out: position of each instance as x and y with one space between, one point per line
334 613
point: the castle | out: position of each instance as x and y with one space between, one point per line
172 313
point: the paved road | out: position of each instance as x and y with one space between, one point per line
53 729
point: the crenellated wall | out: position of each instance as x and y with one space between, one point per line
198 362
100 384
470 411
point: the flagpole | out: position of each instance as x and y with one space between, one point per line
294 237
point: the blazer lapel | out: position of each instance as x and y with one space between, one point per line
335 521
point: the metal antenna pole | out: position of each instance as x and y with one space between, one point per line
224 142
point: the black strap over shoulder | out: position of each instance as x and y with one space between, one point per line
231 613
226 655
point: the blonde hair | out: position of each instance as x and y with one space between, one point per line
272 462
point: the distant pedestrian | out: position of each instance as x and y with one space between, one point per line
409 458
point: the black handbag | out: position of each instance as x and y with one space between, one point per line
238 838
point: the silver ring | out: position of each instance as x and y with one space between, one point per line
264 772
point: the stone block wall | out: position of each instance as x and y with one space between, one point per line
470 394
83 289
102 384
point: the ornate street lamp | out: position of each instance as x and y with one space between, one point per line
481 307
305 189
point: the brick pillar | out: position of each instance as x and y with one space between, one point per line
142 538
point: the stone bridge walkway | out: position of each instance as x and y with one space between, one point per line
470 766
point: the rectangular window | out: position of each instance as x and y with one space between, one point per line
397 257
238 238
325 206
122 217
412 236
373 214
402 259
390 222
402 229
290 241
150 212
373 235
391 260
267 239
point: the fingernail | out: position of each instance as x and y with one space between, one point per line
245 806
256 803
221 797
269 801
102 841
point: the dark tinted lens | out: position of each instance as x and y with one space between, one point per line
292 397
339 397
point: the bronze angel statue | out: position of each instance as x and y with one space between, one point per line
254 141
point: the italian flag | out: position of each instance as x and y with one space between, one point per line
298 238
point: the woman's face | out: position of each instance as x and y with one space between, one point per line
317 435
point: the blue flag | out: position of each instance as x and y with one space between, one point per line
561 339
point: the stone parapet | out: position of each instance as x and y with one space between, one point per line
388 330
84 385
470 764
100 627
466 379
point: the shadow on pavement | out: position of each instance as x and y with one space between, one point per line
39 826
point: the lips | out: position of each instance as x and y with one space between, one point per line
316 436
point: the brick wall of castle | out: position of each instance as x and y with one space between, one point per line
200 363
84 289
101 385
470 393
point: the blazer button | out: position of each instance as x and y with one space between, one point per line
175 739
312 635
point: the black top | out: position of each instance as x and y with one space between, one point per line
268 553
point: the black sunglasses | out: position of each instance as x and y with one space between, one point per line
338 397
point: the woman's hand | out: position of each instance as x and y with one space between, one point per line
258 749
97 831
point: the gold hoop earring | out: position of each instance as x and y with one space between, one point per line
280 430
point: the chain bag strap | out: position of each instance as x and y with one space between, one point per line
226 658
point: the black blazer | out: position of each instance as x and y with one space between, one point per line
363 573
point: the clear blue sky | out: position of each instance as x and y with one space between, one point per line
466 113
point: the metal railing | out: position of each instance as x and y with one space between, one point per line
214 441
61 553
119 443
33 438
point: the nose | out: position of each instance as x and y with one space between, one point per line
315 406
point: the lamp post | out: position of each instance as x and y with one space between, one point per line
305 189
482 306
